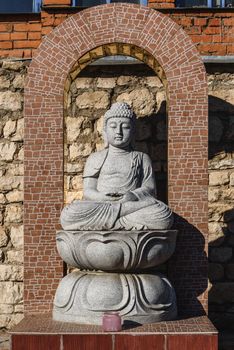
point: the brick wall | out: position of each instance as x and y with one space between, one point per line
69 49
161 4
211 30
20 35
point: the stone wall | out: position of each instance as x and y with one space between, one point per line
90 94
221 200
11 191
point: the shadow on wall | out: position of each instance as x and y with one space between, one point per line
221 213
188 266
187 269
221 274
221 129
151 138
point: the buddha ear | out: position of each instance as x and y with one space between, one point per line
133 135
104 136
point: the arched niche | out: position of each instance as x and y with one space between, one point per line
164 40
83 120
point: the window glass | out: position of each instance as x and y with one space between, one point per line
88 3
16 6
131 1
205 3
191 3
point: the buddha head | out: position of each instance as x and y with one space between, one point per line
119 125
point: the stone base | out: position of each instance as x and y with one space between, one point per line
83 297
40 332
122 251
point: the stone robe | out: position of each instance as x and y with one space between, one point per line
105 215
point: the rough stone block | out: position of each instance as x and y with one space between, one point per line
11 272
12 65
160 99
15 256
97 99
141 100
6 309
79 150
19 308
7 151
77 182
218 178
2 198
17 236
83 83
232 179
124 80
106 83
4 82
15 196
10 101
4 320
99 125
15 170
9 182
21 154
18 82
153 82
14 213
9 128
70 196
73 128
7 292
3 237
19 134
214 194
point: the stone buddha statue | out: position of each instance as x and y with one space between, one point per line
115 234
119 186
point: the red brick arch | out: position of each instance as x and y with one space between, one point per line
187 141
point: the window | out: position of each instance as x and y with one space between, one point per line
16 6
205 3
88 3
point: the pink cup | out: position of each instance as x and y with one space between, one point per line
111 322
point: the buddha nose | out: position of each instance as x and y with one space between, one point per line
119 129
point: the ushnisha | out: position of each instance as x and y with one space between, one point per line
119 187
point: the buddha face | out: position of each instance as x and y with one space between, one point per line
119 131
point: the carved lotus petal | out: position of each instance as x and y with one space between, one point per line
116 250
101 254
83 297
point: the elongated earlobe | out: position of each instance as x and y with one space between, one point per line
104 136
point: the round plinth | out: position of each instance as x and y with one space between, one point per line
116 250
84 297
